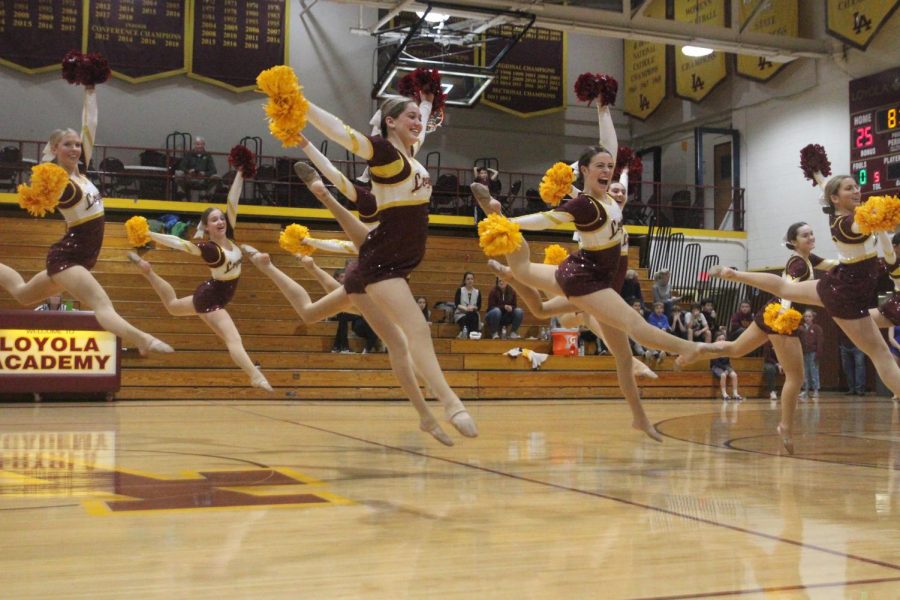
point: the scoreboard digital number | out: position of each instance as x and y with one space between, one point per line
875 132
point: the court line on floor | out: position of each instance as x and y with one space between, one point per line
557 486
764 590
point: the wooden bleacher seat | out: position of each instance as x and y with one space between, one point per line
295 356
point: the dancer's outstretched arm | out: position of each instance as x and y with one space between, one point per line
335 130
333 246
328 170
88 123
234 197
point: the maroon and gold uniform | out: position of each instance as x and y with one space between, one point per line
82 208
848 290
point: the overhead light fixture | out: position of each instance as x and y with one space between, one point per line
696 51
432 17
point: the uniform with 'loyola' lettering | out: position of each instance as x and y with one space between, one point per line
82 208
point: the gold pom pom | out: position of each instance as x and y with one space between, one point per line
497 235
292 237
555 254
878 213
780 320
287 108
48 181
556 183
138 231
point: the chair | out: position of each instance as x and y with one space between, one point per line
10 165
219 194
445 195
113 182
509 200
264 184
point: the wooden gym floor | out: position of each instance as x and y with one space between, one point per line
558 499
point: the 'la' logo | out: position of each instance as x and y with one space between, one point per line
860 22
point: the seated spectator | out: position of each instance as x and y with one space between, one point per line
678 327
52 303
722 369
631 288
697 327
771 370
468 304
423 306
197 170
657 318
709 311
362 329
636 348
740 320
503 315
638 306
662 291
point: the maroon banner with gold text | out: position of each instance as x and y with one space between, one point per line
141 39
36 34
232 41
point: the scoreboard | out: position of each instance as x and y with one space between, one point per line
875 132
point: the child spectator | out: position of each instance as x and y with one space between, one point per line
771 370
697 327
678 327
722 369
709 311
740 320
813 341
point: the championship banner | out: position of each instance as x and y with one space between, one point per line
776 18
696 77
142 39
43 351
529 81
645 71
36 34
232 41
856 22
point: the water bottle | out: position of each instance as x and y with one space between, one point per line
580 347
503 332
465 333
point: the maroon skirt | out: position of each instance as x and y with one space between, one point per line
391 250
891 309
761 323
79 247
619 280
588 271
848 291
212 294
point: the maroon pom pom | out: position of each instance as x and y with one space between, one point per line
243 160
609 87
94 69
70 64
407 86
813 158
423 80
587 88
85 69
623 158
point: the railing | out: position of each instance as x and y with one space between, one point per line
136 172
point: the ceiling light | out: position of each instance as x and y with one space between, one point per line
433 17
696 51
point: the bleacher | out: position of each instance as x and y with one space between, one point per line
296 358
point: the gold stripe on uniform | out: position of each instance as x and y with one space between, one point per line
84 220
601 246
389 170
398 203
354 142
850 261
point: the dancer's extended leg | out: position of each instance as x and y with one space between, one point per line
790 355
223 326
178 307
536 275
311 312
37 289
79 282
401 363
394 298
351 225
618 345
803 292
750 339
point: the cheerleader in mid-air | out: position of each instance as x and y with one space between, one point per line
58 183
223 257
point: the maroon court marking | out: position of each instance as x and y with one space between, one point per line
785 588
